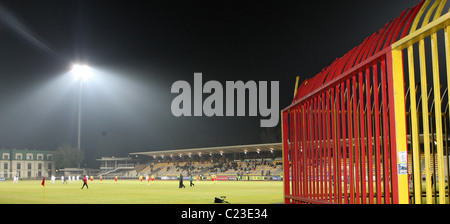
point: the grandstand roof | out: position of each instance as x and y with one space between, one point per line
213 150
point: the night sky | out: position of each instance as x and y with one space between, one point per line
138 49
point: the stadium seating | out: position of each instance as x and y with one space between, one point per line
261 167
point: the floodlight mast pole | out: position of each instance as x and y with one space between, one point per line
79 115
80 73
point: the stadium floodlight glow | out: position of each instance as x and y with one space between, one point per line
81 72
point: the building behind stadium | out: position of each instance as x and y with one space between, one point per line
25 163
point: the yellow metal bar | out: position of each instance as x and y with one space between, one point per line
296 86
439 9
415 129
447 60
430 11
418 16
400 126
438 115
424 31
426 132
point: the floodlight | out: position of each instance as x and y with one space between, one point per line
81 72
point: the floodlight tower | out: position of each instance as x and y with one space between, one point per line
80 73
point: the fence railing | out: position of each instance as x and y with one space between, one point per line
427 119
352 133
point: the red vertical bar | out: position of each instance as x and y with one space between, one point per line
363 139
286 156
329 165
308 146
356 137
350 144
338 132
314 148
322 148
317 148
393 148
298 149
292 147
294 143
296 133
344 147
309 149
369 134
318 165
304 146
386 153
300 152
320 130
377 133
318 154
328 187
334 143
303 133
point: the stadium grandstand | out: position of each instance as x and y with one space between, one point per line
240 162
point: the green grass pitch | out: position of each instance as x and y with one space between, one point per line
136 192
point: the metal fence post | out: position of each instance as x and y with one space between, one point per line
399 154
